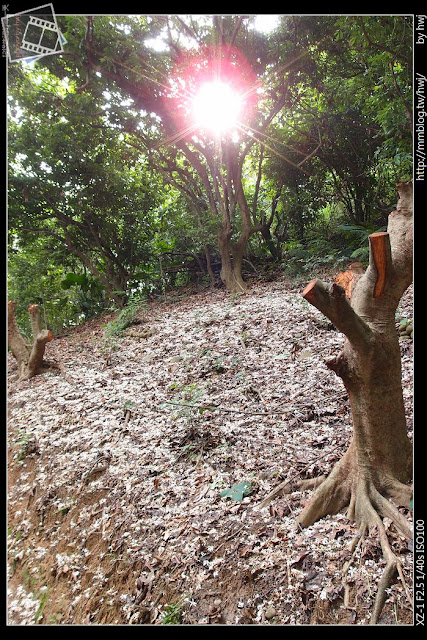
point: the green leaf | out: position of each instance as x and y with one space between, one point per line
74 279
208 407
237 492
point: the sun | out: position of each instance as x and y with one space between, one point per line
211 94
216 107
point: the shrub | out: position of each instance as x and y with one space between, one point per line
125 318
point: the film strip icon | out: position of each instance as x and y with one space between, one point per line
42 25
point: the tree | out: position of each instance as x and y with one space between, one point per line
209 172
366 84
354 112
311 82
76 182
378 463
36 270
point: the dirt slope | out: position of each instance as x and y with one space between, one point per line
115 508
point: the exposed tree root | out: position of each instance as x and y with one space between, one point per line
354 488
288 486
366 506
354 547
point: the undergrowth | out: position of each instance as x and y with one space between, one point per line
126 317
334 247
173 613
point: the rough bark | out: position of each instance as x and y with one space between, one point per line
233 252
231 263
232 280
30 359
375 471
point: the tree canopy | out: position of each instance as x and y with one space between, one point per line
113 175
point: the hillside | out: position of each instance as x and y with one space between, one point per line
117 464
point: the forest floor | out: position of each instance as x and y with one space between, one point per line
116 466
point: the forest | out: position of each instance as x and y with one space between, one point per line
210 322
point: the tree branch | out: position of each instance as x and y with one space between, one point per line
408 107
235 32
332 302
201 170
37 352
257 184
312 153
188 30
36 326
274 204
382 47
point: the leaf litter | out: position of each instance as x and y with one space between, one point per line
121 468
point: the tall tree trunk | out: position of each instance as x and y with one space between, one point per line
231 263
232 253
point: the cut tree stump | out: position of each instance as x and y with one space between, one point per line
30 359
372 478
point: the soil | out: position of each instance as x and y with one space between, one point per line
117 463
